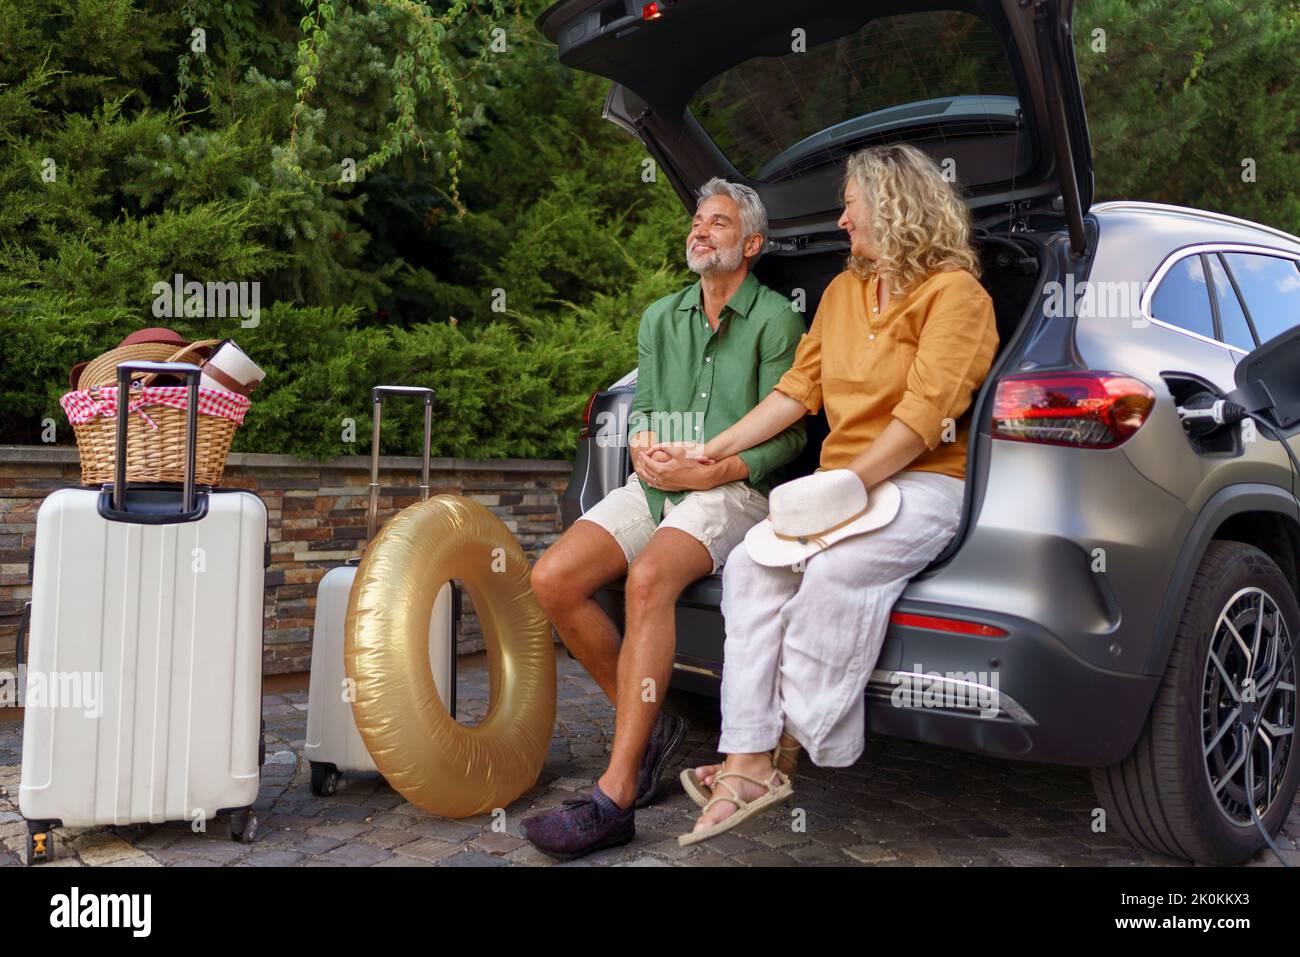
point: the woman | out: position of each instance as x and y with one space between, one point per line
900 344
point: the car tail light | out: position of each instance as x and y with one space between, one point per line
954 625
652 11
585 431
1091 410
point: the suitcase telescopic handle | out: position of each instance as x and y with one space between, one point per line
377 395
191 373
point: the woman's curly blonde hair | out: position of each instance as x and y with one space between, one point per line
919 221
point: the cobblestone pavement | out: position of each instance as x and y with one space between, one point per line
901 804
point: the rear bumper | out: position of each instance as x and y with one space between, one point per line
1022 695
1048 704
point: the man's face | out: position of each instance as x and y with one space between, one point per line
715 243
855 221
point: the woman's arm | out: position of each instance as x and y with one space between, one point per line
798 392
770 417
894 450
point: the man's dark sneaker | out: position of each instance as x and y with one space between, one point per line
582 826
668 734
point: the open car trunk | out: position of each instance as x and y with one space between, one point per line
777 96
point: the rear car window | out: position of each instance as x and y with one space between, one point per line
765 114
1270 285
1183 298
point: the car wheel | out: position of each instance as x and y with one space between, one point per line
1184 789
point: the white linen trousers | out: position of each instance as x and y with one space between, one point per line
801 646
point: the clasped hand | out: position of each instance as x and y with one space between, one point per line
676 467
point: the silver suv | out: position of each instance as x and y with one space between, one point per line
1123 583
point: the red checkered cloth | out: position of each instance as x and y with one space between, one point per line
86 404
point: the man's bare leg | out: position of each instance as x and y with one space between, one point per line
577 565
671 561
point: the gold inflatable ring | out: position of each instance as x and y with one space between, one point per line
434 762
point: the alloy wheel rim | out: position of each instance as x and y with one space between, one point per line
1243 675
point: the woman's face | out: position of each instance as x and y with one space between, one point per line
854 221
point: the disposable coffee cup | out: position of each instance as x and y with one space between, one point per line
229 368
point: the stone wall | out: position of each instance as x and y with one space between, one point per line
317 521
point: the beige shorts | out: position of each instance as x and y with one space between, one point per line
718 518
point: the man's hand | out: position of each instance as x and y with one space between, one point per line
641 462
638 446
670 469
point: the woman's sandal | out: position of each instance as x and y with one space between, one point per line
697 789
785 758
744 809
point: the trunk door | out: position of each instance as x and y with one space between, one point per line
777 95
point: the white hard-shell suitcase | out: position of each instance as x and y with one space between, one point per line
333 744
144 671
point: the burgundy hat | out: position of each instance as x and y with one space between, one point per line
153 334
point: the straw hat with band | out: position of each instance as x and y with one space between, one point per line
810 514
154 344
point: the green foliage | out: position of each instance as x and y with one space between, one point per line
1184 93
478 169
497 242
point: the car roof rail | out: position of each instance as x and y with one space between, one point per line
1143 206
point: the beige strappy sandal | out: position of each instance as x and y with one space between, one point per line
699 791
744 809
785 758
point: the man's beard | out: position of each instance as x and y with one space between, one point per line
717 260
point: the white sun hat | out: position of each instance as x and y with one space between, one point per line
812 513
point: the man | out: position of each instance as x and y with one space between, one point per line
707 355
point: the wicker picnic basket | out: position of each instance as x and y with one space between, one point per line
154 453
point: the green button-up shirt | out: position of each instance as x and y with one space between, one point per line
693 383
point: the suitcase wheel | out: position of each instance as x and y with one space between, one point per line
243 826
40 843
324 779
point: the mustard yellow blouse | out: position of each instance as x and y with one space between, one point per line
921 361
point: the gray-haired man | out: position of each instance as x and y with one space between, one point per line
707 355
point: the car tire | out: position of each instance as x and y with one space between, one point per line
1161 797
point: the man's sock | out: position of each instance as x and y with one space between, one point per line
607 803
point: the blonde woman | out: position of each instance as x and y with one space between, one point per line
900 344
